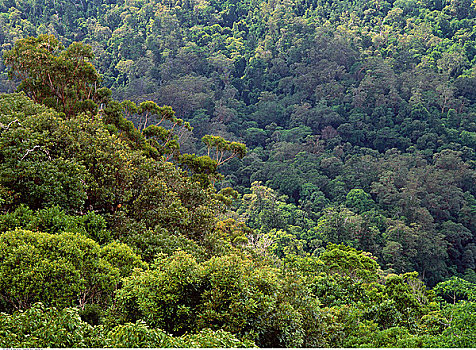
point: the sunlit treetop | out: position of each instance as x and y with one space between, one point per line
63 79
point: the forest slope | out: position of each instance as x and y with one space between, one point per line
359 118
338 102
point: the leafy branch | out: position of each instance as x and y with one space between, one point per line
222 150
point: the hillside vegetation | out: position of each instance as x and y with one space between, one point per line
347 220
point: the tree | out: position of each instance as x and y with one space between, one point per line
222 150
344 226
42 326
456 289
359 200
59 78
59 270
349 262
233 293
149 118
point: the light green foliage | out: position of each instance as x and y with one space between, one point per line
185 206
261 208
208 338
54 220
461 323
285 243
164 297
59 270
232 293
340 275
344 325
202 168
238 296
457 324
122 257
456 289
359 200
233 231
138 334
40 326
265 210
222 150
131 335
401 302
349 262
360 307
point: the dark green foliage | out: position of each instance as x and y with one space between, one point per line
149 243
109 178
360 168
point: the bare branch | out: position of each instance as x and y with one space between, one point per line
35 148
10 124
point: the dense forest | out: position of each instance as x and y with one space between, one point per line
239 173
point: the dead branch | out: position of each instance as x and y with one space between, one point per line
10 124
35 148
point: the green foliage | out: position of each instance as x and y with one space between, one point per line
60 78
40 326
54 220
162 297
359 117
202 168
326 93
456 289
59 270
231 293
149 117
122 257
350 262
404 303
344 226
222 149
150 243
208 338
359 200
461 326
103 174
130 335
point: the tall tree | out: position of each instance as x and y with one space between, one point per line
64 79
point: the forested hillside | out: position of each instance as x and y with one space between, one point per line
348 220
